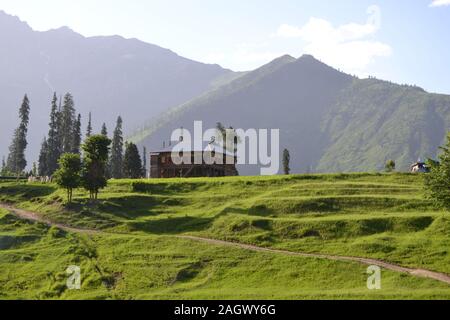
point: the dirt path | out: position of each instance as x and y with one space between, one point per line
414 272
442 277
33 216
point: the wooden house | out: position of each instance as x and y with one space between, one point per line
163 166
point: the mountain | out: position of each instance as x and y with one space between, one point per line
373 121
108 76
330 121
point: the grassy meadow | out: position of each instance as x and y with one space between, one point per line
139 256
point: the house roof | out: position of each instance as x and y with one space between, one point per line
206 146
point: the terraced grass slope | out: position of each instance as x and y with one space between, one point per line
138 254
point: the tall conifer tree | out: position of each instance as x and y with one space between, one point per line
104 130
3 170
286 161
116 160
89 126
132 165
76 144
16 158
68 122
53 143
43 165
144 162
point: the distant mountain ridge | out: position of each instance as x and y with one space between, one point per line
108 76
330 121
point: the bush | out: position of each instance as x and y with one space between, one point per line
438 181
68 174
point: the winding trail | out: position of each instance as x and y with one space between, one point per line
371 262
36 217
422 273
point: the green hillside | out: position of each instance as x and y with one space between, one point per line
374 121
330 121
138 252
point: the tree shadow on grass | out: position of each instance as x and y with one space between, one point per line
260 210
172 225
174 188
26 191
257 210
232 210
131 207
10 242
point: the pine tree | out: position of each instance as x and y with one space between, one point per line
43 165
144 162
89 126
67 123
76 143
34 170
286 161
60 133
16 159
104 130
116 160
3 171
53 143
11 161
132 165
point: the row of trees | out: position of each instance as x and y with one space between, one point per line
64 137
63 155
91 170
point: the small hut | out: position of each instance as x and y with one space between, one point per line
419 167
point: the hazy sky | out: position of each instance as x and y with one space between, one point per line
401 40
